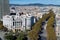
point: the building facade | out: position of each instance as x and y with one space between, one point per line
17 22
4 8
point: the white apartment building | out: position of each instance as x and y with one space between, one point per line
19 22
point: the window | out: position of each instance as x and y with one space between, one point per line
58 33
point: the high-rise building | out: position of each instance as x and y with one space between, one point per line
4 8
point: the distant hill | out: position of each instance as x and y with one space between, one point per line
35 4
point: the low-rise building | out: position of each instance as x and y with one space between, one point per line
18 22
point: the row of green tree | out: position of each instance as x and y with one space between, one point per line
33 34
51 35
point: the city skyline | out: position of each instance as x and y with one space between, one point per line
56 2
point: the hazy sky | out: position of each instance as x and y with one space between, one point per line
35 1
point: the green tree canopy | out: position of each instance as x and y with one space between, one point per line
51 35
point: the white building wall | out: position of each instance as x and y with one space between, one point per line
34 20
23 17
23 20
28 22
7 21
